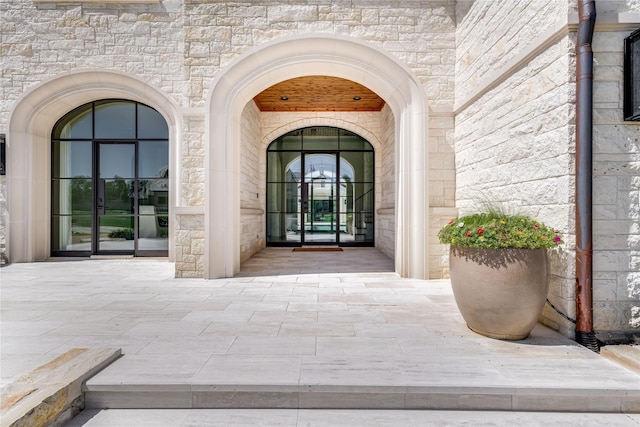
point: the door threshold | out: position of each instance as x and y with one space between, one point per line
111 257
318 249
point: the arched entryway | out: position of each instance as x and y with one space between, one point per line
329 55
320 189
30 156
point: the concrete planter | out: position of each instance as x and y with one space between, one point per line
500 292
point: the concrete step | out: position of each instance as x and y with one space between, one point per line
338 418
286 382
203 396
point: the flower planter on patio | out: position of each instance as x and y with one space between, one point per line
500 292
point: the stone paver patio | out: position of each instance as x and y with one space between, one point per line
292 330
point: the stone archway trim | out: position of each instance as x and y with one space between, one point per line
29 149
316 54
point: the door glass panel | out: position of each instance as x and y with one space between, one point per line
284 197
153 159
72 159
115 120
284 166
354 142
358 165
361 209
288 142
321 194
71 233
71 196
118 196
151 124
77 124
283 227
116 233
329 143
153 193
153 231
117 160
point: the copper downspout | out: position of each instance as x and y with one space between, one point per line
584 111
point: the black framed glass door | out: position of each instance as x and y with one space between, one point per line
110 187
116 198
320 189
319 193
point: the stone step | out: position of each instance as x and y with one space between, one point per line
339 418
51 394
216 396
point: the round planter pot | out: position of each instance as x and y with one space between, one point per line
500 292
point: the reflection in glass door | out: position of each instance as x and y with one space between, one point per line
115 199
318 194
320 189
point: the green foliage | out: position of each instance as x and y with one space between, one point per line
122 233
499 230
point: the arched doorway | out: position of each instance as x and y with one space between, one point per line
29 150
329 55
320 189
109 181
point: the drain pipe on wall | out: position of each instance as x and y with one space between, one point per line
584 333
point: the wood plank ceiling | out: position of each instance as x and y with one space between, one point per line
318 93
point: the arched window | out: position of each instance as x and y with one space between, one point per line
109 180
320 188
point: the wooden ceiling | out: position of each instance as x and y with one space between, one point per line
318 93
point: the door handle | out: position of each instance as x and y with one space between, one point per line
305 197
100 197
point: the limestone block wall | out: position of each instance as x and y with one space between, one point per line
514 150
179 46
252 187
515 143
189 216
192 178
514 138
385 209
489 36
190 243
43 40
419 34
442 188
616 196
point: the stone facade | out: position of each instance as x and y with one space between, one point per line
500 88
616 195
515 142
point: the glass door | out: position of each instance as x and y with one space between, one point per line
320 189
109 181
116 201
132 198
319 193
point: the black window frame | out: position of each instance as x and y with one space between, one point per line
631 85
